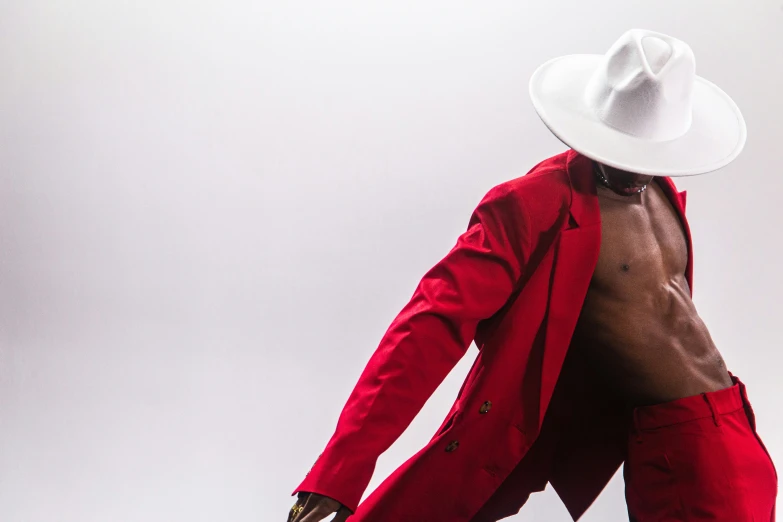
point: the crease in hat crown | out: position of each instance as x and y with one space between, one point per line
644 85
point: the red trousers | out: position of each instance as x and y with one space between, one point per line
699 458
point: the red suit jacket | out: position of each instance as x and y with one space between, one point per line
514 283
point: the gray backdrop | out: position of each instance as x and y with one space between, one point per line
210 213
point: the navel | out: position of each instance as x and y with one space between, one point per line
625 267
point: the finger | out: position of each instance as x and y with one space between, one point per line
314 510
319 513
295 512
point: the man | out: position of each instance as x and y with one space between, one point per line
575 283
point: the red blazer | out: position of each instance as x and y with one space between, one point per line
515 283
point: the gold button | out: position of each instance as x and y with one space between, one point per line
453 445
485 407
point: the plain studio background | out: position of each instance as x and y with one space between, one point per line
211 212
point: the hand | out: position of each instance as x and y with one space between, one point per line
316 507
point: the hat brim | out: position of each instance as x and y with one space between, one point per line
716 137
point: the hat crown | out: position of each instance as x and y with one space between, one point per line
644 86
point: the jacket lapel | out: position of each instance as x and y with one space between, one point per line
678 200
576 255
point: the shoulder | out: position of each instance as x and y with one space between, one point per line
542 194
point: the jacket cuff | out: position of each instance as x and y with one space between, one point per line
340 481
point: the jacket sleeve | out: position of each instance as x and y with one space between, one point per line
424 342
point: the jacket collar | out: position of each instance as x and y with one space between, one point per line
584 207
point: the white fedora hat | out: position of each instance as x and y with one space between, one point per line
640 108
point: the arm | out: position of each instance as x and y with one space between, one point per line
424 342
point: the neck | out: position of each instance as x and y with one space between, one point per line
622 183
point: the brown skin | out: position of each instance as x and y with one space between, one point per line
638 328
317 507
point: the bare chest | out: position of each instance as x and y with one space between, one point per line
643 243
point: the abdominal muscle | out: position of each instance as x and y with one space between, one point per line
652 348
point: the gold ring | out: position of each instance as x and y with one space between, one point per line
296 510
